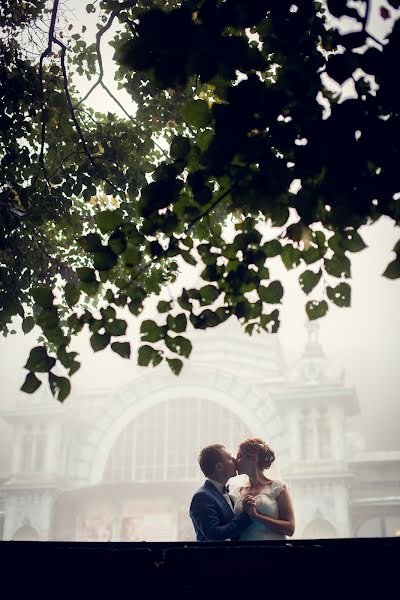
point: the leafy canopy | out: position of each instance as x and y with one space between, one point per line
238 116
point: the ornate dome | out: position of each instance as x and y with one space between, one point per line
257 358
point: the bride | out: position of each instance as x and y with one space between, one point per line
267 501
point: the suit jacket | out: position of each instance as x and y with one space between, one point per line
213 518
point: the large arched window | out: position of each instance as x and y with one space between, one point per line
163 443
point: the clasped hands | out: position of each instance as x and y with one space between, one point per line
249 505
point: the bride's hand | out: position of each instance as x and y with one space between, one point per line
249 505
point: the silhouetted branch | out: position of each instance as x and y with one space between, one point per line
44 54
75 120
365 23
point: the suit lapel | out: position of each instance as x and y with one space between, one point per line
226 508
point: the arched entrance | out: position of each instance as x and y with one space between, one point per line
26 533
319 529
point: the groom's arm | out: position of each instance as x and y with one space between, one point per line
204 513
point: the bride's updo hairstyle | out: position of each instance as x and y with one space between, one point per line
257 447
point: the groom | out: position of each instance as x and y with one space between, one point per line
211 509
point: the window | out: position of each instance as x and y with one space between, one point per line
306 436
27 450
40 448
33 448
324 435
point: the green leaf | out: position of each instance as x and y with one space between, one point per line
179 344
28 324
67 359
116 327
117 242
108 313
151 332
338 266
312 254
271 294
48 318
196 113
208 294
180 147
72 294
31 384
163 306
122 348
148 355
135 307
91 242
158 195
350 240
309 279
290 256
263 273
392 271
316 310
204 139
175 365
270 322
43 296
187 257
60 387
39 361
177 324
272 248
86 274
105 259
340 295
99 341
184 300
109 220
91 289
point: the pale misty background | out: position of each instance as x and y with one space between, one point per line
363 340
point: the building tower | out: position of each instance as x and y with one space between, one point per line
38 458
317 406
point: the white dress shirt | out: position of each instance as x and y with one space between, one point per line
220 487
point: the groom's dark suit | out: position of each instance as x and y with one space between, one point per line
213 518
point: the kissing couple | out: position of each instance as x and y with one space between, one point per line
260 510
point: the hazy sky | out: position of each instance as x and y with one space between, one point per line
364 340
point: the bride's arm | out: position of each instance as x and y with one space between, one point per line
286 522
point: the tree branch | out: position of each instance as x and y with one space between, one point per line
213 205
44 54
99 35
75 120
364 22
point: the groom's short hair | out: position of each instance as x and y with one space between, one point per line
209 457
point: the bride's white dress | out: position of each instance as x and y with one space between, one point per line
267 504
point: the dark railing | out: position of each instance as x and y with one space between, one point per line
344 568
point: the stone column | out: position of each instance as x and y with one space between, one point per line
17 454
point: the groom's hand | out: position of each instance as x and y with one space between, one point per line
249 505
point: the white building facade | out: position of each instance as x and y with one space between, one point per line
121 465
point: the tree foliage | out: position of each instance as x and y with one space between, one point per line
250 100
